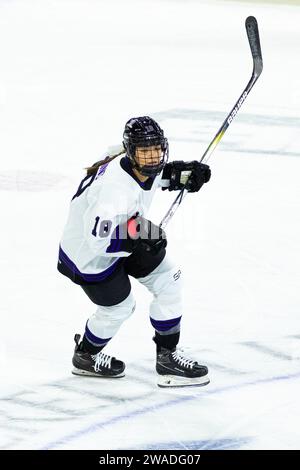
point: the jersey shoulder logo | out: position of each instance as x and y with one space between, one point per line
177 275
101 170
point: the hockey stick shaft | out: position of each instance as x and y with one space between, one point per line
254 42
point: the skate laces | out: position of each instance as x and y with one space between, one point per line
182 361
101 360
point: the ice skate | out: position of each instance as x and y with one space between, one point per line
174 370
95 365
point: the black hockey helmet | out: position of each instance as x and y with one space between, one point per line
145 132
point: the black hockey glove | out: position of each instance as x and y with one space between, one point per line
145 236
177 173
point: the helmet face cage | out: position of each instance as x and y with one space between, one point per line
142 133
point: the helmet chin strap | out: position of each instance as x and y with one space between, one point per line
146 170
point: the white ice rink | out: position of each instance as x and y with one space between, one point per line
72 73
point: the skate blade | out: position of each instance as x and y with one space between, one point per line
87 373
165 381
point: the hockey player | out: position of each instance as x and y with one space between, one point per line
107 239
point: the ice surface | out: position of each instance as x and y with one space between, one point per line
72 72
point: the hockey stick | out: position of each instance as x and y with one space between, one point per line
254 42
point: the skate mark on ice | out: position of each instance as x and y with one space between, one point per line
226 369
267 350
202 125
32 181
234 147
49 404
90 429
108 398
15 427
218 444
218 116
213 365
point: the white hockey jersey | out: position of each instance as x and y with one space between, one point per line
89 250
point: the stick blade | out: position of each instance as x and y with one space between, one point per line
254 42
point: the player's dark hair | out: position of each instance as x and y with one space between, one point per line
91 170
